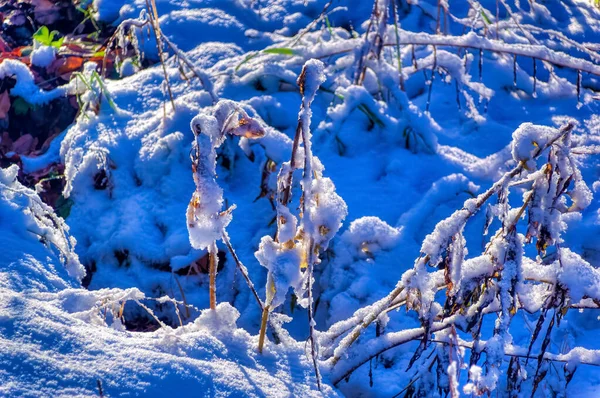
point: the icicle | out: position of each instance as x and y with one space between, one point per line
534 78
578 86
515 70
457 95
433 68
480 64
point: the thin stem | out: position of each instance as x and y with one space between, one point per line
398 52
534 51
311 322
263 328
158 35
242 269
212 272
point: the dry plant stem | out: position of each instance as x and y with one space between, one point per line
486 45
547 356
177 313
285 198
212 271
311 253
311 25
287 193
380 307
263 328
360 69
109 43
313 345
383 304
393 340
398 51
242 268
410 335
203 77
187 310
158 35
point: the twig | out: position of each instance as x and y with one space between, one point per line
242 268
158 35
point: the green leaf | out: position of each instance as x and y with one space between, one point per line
42 36
57 43
276 50
371 115
486 18
248 58
63 206
329 28
46 38
107 95
94 35
279 50
82 78
20 106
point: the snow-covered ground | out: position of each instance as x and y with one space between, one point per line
400 159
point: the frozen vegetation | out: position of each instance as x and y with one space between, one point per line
314 198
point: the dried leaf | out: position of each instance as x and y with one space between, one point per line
69 65
24 145
4 105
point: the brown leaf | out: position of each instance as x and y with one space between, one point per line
25 144
71 64
5 143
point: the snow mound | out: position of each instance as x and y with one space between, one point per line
50 326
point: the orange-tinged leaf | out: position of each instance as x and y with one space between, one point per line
71 64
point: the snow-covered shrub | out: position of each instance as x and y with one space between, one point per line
500 282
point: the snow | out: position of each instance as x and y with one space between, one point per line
25 86
43 56
49 325
528 138
407 206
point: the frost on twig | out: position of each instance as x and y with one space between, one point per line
528 60
39 220
130 34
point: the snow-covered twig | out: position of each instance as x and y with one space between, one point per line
500 269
